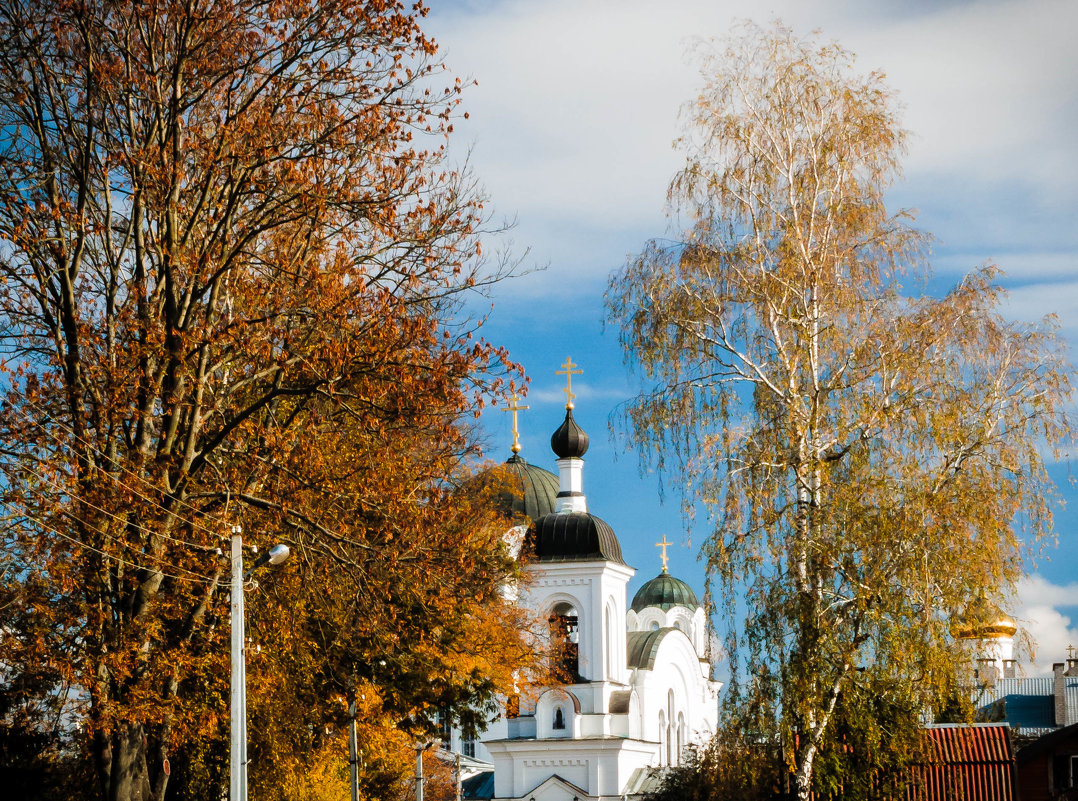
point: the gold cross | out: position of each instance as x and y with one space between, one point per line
514 407
663 545
568 372
1070 652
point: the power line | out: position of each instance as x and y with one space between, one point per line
112 476
114 516
199 578
194 525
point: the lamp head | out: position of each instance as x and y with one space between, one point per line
278 553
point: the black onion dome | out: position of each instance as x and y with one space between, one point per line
538 490
570 439
665 592
573 536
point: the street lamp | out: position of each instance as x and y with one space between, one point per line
353 735
419 749
238 746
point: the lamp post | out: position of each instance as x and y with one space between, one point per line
419 749
353 750
353 734
238 745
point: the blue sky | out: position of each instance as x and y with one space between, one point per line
570 130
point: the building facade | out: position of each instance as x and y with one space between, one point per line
635 686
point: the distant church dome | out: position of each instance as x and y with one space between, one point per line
538 490
984 621
572 536
569 440
665 592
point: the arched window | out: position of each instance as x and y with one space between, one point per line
671 759
565 638
662 739
680 737
655 625
559 719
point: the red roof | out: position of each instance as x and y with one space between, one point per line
974 763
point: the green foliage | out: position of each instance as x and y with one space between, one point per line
874 738
730 767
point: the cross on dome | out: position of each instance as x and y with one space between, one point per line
568 371
514 407
664 545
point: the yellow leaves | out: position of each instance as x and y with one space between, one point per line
867 458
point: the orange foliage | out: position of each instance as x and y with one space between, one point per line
232 257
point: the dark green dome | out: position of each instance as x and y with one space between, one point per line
641 647
665 592
572 536
538 490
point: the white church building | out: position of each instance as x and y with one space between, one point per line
638 686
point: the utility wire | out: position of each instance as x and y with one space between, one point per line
125 521
199 578
115 478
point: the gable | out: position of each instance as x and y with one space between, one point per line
557 789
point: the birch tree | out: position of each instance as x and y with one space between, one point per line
870 457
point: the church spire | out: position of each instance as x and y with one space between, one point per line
568 371
664 544
514 407
569 444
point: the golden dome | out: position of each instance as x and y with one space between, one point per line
984 621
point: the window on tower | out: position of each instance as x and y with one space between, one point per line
559 719
565 638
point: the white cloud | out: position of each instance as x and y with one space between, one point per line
1038 614
576 108
581 391
1016 266
1031 302
989 89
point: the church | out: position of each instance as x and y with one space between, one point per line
636 680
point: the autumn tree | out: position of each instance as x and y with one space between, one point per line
231 258
871 458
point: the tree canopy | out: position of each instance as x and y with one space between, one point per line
231 254
871 459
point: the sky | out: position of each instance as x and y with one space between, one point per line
571 122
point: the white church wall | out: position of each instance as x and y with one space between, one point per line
600 766
649 619
591 588
672 689
557 715
633 718
700 634
611 611
681 619
567 584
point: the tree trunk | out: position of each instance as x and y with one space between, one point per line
803 776
127 781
